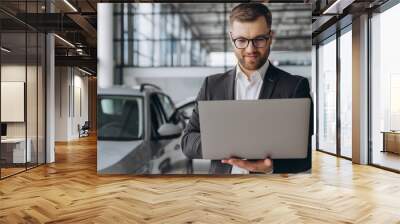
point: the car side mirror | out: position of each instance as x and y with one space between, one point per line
168 130
182 112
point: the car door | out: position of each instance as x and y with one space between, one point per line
157 120
171 159
121 145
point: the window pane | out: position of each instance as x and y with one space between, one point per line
327 97
120 118
167 105
346 94
385 87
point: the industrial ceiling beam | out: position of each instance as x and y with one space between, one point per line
86 26
81 61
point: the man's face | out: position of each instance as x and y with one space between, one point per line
251 58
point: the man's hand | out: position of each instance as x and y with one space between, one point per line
263 165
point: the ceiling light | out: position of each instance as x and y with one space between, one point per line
5 50
337 7
79 51
331 7
84 71
70 5
65 41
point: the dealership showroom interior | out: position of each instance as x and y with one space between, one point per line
102 100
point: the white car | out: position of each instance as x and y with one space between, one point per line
139 132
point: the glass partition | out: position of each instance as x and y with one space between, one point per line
14 153
22 76
346 94
327 96
385 89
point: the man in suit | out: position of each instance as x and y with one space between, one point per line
252 78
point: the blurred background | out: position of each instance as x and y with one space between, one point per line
175 45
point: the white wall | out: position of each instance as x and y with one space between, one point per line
79 117
61 103
180 82
33 126
70 83
16 73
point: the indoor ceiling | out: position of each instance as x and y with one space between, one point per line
290 22
76 22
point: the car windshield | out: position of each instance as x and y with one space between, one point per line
120 118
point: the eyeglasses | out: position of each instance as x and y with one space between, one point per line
258 42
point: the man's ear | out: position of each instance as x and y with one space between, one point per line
230 37
272 36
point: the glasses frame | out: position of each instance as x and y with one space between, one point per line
267 37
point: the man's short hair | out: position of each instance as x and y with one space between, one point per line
248 12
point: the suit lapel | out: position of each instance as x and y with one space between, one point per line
230 88
269 83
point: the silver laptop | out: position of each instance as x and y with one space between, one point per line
255 129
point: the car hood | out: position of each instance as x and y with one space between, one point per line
110 153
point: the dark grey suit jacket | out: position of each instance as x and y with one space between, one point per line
276 84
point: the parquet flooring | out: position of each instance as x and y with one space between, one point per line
10 171
70 191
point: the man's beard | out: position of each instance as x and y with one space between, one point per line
258 63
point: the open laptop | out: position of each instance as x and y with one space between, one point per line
255 129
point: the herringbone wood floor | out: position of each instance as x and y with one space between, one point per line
70 191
